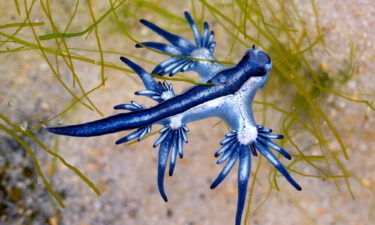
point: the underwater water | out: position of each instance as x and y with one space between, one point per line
59 64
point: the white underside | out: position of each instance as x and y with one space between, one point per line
234 109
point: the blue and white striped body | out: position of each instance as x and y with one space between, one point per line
228 96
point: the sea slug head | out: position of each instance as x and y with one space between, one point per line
261 59
250 74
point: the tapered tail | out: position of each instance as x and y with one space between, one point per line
111 124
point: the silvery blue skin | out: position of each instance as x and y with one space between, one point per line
229 98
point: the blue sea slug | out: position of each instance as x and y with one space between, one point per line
228 97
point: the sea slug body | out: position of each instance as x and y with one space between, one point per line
228 97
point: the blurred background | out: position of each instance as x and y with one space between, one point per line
59 65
